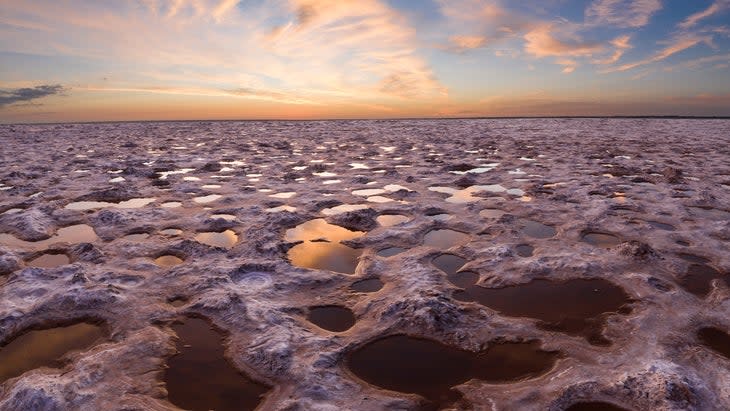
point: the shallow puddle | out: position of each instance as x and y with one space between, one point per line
168 261
448 263
715 339
282 208
200 378
136 237
389 252
595 406
389 220
171 204
491 213
45 348
602 240
227 217
463 279
226 239
445 238
698 279
344 208
326 253
325 256
537 230
331 318
171 231
429 368
75 234
207 199
661 226
92 205
524 250
369 285
575 307
49 261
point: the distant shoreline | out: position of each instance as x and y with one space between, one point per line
648 117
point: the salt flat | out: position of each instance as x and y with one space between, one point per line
253 226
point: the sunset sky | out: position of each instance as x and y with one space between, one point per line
96 60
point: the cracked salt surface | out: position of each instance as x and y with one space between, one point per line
664 212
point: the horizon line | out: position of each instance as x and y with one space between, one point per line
648 116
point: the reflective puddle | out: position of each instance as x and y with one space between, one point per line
602 240
491 213
575 307
226 239
537 230
524 250
168 261
344 208
390 220
75 234
698 279
429 368
207 199
445 238
331 318
389 252
321 248
92 205
448 263
369 285
49 261
46 348
200 378
715 339
661 226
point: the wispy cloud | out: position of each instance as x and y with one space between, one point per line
621 13
679 43
717 7
28 94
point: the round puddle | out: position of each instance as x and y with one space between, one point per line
171 232
168 261
49 261
45 348
715 339
226 239
445 238
389 252
331 318
389 220
524 250
537 230
369 285
325 256
602 240
698 279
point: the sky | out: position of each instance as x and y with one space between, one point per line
109 60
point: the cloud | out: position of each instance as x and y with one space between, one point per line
716 7
542 41
467 42
621 13
620 44
680 43
28 94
